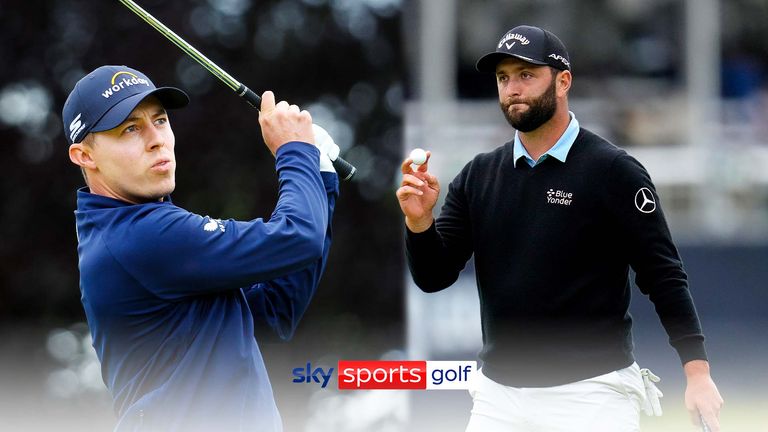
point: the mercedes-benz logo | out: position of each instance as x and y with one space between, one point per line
644 200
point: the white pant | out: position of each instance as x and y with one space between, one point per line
609 403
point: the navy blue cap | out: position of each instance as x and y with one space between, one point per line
532 44
105 97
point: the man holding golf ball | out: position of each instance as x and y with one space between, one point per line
555 218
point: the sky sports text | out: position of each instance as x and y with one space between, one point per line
391 374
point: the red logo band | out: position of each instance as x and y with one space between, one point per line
382 375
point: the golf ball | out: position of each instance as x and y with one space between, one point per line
418 156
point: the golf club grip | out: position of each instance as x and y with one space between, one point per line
344 169
252 98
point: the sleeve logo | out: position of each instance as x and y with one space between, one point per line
213 225
644 200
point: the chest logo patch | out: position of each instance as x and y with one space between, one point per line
559 197
644 200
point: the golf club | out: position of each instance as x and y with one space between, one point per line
344 169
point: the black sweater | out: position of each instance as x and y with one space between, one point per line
553 245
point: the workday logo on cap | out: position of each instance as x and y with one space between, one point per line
105 97
128 79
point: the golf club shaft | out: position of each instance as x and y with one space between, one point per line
344 169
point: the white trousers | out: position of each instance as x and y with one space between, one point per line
606 403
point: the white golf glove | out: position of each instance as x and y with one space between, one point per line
651 404
329 151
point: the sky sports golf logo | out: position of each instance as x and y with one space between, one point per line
392 375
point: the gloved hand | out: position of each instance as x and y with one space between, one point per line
329 151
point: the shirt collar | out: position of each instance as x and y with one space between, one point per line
90 201
558 151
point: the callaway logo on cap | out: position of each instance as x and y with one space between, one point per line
105 97
532 44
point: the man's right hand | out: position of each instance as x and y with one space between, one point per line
282 123
418 195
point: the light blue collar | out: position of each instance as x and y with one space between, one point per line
558 151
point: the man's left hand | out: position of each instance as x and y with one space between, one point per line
702 399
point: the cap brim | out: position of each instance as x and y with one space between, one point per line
488 62
170 97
